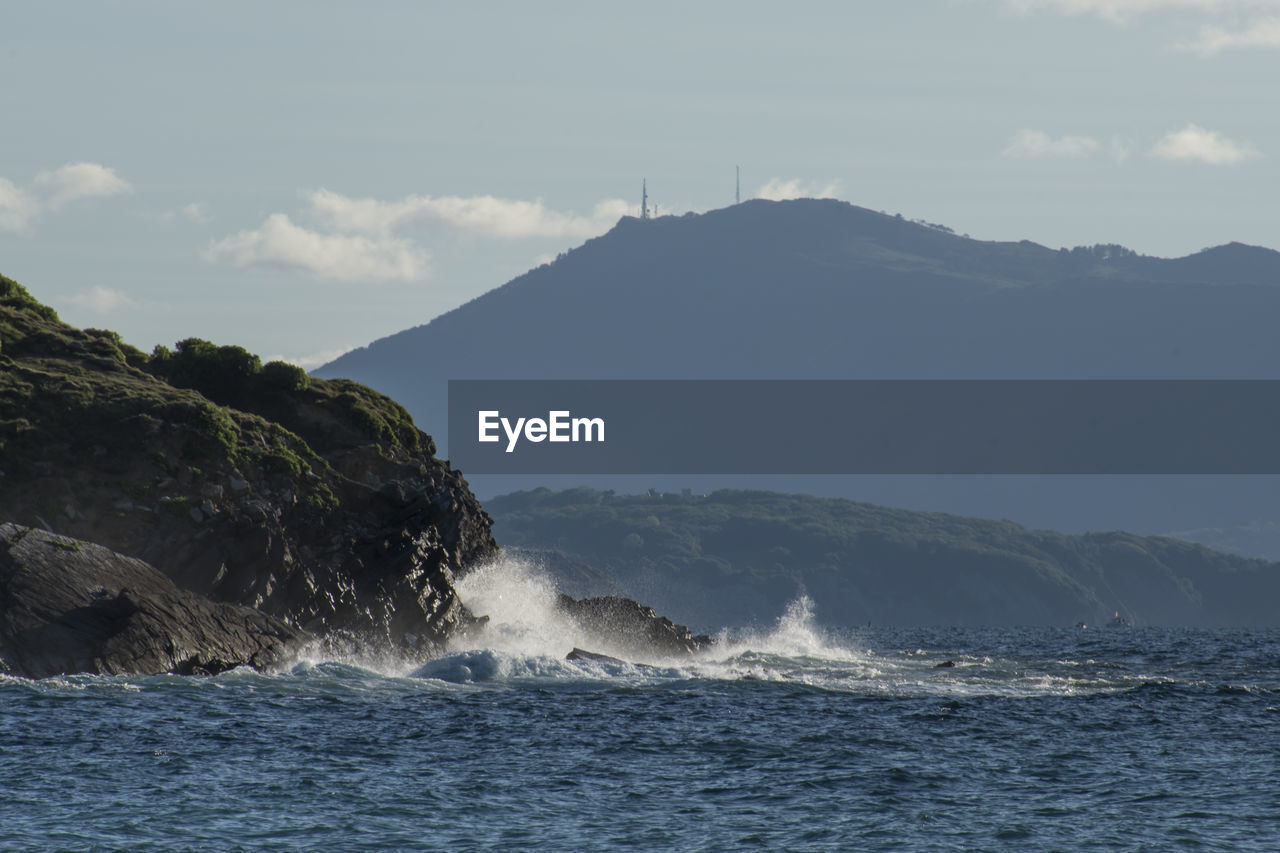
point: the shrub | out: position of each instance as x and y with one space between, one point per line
283 376
281 460
217 424
15 294
322 498
217 372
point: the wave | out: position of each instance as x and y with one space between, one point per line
528 639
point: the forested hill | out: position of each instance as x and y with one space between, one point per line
737 557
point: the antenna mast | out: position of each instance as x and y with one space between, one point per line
644 199
737 185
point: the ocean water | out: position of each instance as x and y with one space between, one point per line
788 738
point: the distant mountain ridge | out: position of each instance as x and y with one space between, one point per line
824 289
817 288
814 235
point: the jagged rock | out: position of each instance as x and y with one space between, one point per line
350 528
626 625
584 656
68 606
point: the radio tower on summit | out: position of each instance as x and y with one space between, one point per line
644 199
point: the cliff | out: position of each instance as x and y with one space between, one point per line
314 502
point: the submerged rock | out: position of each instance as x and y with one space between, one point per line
68 606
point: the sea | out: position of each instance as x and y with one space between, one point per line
789 736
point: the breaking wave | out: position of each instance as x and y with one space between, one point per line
528 638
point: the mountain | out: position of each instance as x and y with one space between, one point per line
824 289
736 557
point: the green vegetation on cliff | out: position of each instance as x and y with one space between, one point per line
78 394
740 555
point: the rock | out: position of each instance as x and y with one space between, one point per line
578 654
351 529
630 628
68 606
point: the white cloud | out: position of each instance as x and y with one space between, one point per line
1125 10
308 362
1195 144
360 238
1263 32
1246 29
498 217
777 189
1120 149
50 191
281 243
1028 143
17 208
196 211
76 181
100 300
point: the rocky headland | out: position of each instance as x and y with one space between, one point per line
211 510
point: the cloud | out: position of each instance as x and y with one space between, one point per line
362 238
1194 144
1264 32
76 181
17 208
1027 143
1248 29
777 189
100 300
1120 149
315 359
281 243
1121 11
496 217
197 211
50 191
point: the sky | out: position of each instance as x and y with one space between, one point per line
304 178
